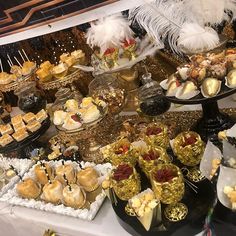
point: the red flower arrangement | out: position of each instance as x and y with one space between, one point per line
122 172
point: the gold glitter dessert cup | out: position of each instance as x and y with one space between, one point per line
161 139
130 157
127 188
170 192
147 166
189 155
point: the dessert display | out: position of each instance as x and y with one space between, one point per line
75 115
205 74
40 188
156 134
21 127
125 182
188 148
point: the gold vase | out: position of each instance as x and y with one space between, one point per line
148 165
161 139
189 155
169 192
127 188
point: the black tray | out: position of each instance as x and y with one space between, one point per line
198 206
15 146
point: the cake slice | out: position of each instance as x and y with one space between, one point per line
6 129
29 117
5 139
20 134
33 126
41 116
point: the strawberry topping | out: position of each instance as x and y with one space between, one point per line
122 172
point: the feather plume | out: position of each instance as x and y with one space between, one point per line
109 32
196 39
162 20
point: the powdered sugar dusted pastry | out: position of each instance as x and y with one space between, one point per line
6 129
33 126
41 116
17 122
20 134
29 117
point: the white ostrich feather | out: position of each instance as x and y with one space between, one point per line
161 19
195 38
108 32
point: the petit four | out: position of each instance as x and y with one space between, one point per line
71 122
43 173
33 126
52 192
17 122
6 129
68 171
28 188
29 117
5 139
20 134
41 116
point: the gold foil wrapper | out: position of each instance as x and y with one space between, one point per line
126 189
130 157
189 155
161 139
147 166
168 192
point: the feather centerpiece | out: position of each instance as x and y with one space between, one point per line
109 32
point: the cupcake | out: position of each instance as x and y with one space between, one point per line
73 196
188 148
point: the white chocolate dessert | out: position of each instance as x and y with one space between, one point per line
41 171
28 188
59 117
91 114
87 102
52 192
72 105
88 179
67 170
73 196
71 123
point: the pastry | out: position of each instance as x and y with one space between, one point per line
41 116
5 78
60 70
46 65
20 134
33 126
64 56
71 105
43 173
10 173
44 75
29 117
231 194
73 196
28 188
88 179
6 129
67 170
210 87
28 67
52 192
87 102
17 122
69 60
59 117
5 139
72 121
16 70
91 114
78 54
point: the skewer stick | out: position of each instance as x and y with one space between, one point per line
9 59
18 62
9 63
21 55
25 54
1 65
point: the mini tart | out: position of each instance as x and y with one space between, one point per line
40 173
33 126
73 196
29 117
68 171
88 179
20 134
41 116
6 129
28 188
52 192
5 139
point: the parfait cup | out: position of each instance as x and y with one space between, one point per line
168 186
125 182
